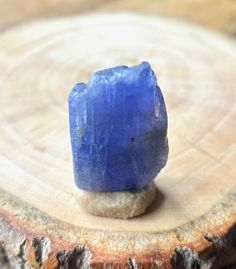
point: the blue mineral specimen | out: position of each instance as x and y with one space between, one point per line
118 127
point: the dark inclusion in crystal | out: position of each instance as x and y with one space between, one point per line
118 127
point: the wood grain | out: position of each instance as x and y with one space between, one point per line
216 14
194 214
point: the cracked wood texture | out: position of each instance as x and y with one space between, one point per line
192 223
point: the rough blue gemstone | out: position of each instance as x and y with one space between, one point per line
118 127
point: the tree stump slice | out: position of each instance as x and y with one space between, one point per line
192 223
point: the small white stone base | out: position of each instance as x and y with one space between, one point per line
123 205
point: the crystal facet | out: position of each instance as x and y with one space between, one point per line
118 127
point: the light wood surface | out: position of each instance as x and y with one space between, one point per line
216 14
39 63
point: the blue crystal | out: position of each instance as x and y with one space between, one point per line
118 127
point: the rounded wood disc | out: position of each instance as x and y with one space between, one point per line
196 203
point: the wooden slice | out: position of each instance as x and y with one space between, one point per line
192 223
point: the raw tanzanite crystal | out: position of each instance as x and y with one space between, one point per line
118 126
